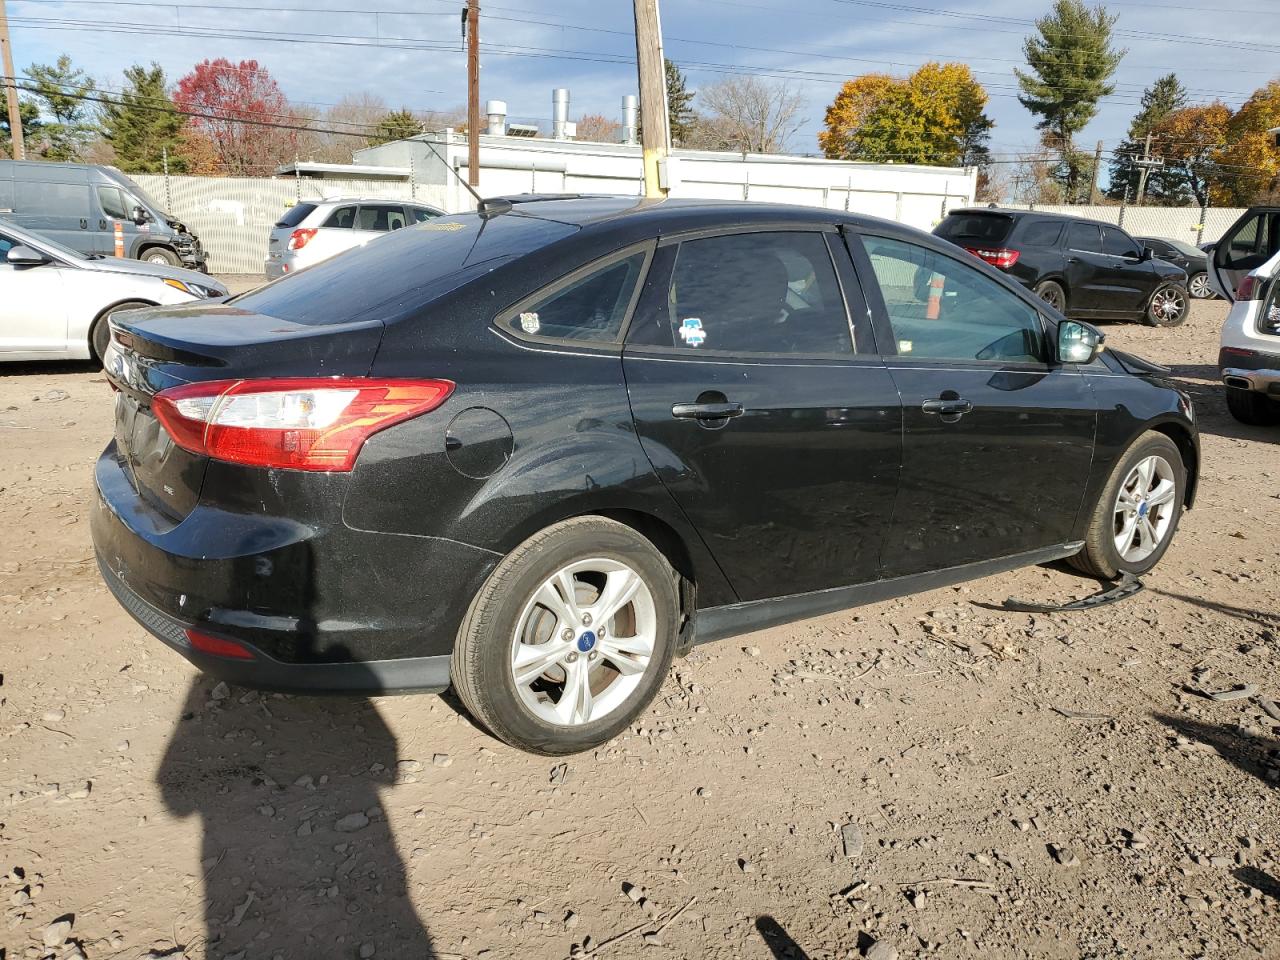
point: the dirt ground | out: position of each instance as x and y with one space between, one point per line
1019 786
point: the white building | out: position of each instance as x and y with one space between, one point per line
916 195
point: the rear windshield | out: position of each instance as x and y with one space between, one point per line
984 227
295 214
401 272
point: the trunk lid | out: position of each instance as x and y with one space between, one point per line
152 350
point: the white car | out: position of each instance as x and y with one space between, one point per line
55 302
1245 269
311 231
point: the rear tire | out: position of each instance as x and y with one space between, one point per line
1168 307
161 255
1051 292
535 700
100 333
1127 497
1253 408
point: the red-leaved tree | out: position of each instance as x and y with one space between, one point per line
225 95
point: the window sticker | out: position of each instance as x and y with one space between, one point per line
904 346
529 322
691 332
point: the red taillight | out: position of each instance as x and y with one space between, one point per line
299 238
1001 257
312 423
1250 289
217 646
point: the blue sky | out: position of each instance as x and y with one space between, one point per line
531 46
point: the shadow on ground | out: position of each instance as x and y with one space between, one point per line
1255 756
297 857
1263 618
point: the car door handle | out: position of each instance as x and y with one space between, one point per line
84 224
1073 259
706 411
947 408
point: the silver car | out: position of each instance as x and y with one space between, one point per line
315 230
55 302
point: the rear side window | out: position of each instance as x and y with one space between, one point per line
422 214
1040 233
344 218
758 293
980 227
382 217
1084 236
1117 243
295 214
590 305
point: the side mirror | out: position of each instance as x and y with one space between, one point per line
21 256
1078 342
1146 254
140 216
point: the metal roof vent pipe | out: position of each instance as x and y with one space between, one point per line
496 111
559 113
629 110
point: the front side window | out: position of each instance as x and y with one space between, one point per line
422 214
589 307
940 308
758 293
1084 236
344 218
113 203
1117 243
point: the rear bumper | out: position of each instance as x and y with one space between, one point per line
321 606
1250 370
274 269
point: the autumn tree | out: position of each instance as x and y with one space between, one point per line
235 106
62 91
1249 165
935 116
1071 62
1188 140
1159 100
142 124
597 128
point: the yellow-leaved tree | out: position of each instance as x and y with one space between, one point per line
1249 165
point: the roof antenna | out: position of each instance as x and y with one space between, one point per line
461 179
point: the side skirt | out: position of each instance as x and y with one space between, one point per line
716 623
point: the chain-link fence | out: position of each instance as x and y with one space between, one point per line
233 216
1193 225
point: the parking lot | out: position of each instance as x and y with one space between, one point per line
1018 785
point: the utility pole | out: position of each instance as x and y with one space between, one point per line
1094 198
11 88
655 139
471 27
1145 165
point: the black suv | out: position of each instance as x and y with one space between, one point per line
1085 269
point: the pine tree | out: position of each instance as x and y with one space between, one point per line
62 91
142 124
1159 100
1072 62
29 114
397 125
680 116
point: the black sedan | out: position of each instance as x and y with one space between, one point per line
1193 261
537 451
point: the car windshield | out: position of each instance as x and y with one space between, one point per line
403 271
986 227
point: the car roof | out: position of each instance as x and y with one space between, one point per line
326 200
1040 214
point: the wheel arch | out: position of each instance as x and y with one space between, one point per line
101 314
145 245
1190 452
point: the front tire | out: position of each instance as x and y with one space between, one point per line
1137 514
1168 306
1252 408
1198 286
570 637
100 332
161 256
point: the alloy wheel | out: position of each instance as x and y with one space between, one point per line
1199 286
584 641
1052 296
1144 509
1168 305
